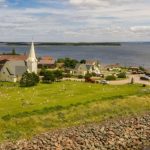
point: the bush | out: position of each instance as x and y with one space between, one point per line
48 77
142 68
110 78
122 75
58 75
6 117
80 76
83 61
88 77
94 74
68 63
42 71
29 79
67 75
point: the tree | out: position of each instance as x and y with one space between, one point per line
80 76
35 78
122 75
68 63
83 61
142 68
60 60
43 70
88 77
29 79
58 74
110 78
13 51
48 77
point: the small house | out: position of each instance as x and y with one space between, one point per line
46 62
91 66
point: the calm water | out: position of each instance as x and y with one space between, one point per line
126 54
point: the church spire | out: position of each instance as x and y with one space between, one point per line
32 61
32 56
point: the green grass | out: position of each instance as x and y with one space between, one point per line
28 111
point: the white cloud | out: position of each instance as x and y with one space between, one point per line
119 21
102 3
3 3
89 2
140 28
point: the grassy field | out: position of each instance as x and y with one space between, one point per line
25 112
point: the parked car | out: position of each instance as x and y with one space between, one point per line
104 82
146 78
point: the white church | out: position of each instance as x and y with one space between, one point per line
12 67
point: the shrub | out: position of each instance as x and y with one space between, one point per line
88 77
29 79
80 76
142 68
6 117
94 74
51 76
122 75
58 74
83 61
67 75
42 71
68 63
110 78
48 77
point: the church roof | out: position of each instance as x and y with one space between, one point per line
13 57
47 60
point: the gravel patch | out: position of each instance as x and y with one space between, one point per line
123 134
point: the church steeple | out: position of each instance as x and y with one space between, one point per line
32 60
32 56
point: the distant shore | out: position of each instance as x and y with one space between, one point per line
66 44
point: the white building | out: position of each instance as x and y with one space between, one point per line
91 66
13 66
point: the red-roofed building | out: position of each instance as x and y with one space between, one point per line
47 62
6 58
13 57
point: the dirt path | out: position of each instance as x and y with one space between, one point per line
126 81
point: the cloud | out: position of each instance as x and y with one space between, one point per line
89 2
141 32
140 28
3 3
76 20
101 3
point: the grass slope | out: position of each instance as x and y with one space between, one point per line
28 111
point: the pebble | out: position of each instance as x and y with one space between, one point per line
124 134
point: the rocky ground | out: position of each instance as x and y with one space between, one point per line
123 134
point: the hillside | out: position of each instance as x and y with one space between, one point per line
25 112
130 133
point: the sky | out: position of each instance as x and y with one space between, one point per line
74 20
